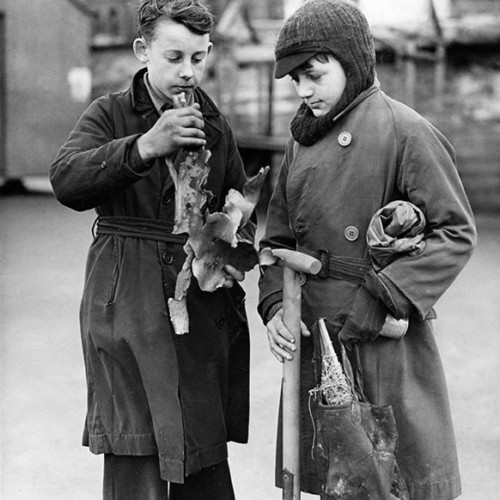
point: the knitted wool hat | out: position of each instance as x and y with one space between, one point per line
328 26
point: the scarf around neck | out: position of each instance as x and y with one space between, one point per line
306 129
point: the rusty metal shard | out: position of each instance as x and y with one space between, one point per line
191 197
222 225
213 240
217 244
214 255
184 276
177 305
253 187
179 315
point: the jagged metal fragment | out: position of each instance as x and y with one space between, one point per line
213 240
190 197
218 244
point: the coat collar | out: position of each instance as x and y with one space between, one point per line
361 97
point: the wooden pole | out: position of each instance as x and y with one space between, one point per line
269 68
294 264
440 75
440 57
291 388
411 72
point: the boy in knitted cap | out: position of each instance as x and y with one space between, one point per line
353 150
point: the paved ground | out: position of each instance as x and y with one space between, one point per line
43 248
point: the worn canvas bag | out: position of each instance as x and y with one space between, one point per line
355 447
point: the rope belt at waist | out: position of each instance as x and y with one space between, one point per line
340 268
137 227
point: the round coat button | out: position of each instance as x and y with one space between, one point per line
351 233
167 258
344 139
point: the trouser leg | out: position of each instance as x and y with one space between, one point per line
133 478
212 483
138 478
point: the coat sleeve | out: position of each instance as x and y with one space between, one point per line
93 163
278 234
429 179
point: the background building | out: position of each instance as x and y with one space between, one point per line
45 80
439 56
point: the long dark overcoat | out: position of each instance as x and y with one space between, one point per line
149 390
378 151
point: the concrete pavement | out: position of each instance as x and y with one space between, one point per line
43 250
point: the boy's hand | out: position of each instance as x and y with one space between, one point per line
281 341
176 128
232 274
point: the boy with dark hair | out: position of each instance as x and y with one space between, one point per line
353 151
161 406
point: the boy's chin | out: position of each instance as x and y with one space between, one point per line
318 112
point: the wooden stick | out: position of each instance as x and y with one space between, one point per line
291 388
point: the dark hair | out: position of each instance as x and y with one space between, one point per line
320 56
191 13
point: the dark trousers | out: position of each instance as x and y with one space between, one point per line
138 478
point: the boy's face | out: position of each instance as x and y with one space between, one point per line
320 84
175 58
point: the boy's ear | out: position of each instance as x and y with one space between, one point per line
210 47
141 50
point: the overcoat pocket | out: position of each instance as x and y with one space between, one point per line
118 243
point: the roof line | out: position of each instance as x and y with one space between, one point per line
83 7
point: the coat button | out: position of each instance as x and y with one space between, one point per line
351 233
220 322
167 258
344 139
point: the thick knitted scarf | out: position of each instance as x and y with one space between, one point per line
306 128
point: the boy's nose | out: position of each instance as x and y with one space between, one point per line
304 90
186 71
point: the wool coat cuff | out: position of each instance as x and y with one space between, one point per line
134 160
270 306
389 294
